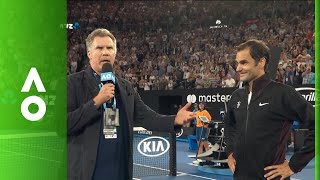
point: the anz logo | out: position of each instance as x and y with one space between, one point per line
73 26
153 146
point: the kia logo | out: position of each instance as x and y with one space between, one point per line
153 146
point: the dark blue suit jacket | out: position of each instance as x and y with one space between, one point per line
83 126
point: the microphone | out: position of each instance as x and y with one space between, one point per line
108 77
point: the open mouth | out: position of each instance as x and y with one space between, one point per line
105 61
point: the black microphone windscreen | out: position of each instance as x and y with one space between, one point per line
107 67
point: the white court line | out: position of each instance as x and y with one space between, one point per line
25 135
36 157
136 179
199 176
183 174
151 167
40 147
191 164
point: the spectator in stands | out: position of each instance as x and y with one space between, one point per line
230 82
308 76
215 80
165 42
304 55
288 76
279 75
141 84
199 82
297 76
224 81
170 84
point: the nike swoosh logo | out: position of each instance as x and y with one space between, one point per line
262 104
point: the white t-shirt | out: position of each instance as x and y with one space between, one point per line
249 97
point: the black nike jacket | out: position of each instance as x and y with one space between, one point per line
257 133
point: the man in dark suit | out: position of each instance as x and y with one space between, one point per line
91 155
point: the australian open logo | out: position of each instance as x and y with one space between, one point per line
153 146
33 76
308 93
108 76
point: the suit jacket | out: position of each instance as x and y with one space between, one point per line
84 121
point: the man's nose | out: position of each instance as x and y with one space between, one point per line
105 51
239 68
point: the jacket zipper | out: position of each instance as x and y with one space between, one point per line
245 132
246 127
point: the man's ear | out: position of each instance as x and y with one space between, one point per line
262 63
89 55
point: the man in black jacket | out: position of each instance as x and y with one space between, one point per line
259 120
91 153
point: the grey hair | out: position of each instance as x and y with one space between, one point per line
100 33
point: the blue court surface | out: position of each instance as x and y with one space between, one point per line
188 171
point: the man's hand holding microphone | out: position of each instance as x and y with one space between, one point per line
105 94
107 91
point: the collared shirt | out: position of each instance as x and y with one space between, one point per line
308 78
202 113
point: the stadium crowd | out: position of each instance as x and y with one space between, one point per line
164 45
